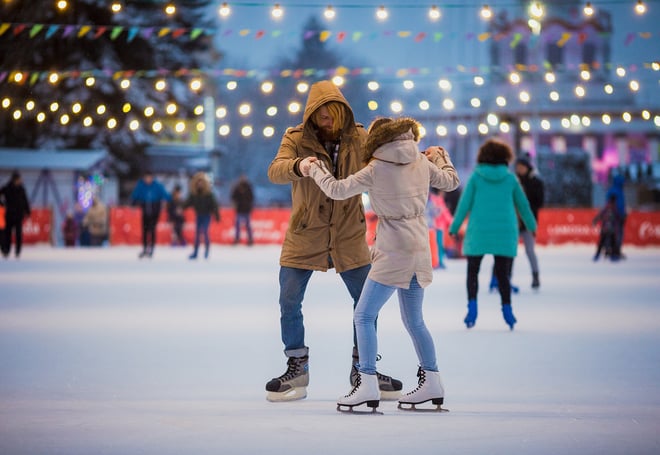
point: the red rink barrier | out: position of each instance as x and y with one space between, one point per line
556 226
268 226
37 228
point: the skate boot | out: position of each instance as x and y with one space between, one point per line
365 391
429 388
507 312
292 385
471 317
535 280
390 388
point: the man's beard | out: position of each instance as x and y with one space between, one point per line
327 134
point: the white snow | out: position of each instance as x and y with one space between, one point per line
103 353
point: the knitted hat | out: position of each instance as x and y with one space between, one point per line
524 160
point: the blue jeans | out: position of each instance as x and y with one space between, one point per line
202 230
374 296
293 283
243 218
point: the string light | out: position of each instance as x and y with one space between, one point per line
434 13
277 12
170 9
536 10
329 13
224 10
589 10
115 7
381 13
640 7
486 13
62 5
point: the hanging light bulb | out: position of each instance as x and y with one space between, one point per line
434 13
224 10
62 5
329 13
536 10
115 7
277 11
170 9
589 9
381 13
640 7
486 13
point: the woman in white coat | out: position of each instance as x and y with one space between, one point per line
397 178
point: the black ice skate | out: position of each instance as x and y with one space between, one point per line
429 388
365 391
292 385
390 388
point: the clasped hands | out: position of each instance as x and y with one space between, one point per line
306 164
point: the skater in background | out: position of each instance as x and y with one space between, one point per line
70 230
205 205
616 189
17 209
533 187
609 219
96 222
322 233
243 199
493 199
175 216
397 179
150 195
439 220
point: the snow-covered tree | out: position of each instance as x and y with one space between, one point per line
93 50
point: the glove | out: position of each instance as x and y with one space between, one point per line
305 165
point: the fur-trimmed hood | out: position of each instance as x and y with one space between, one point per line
393 140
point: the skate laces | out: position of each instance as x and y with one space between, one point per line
292 370
358 381
421 374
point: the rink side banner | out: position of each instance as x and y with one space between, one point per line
268 226
556 226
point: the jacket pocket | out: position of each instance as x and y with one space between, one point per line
299 220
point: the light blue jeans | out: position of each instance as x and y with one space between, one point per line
374 295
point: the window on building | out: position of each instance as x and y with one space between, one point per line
555 55
589 54
520 54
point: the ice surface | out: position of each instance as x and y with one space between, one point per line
102 353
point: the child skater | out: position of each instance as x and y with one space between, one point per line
397 178
608 218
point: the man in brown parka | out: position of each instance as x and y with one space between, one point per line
322 233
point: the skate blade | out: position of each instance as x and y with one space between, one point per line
350 409
296 393
390 395
413 408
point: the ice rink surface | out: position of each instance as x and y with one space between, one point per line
102 353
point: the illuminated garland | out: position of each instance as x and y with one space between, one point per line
33 77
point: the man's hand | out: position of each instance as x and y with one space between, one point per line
305 165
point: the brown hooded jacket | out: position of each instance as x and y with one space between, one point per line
320 228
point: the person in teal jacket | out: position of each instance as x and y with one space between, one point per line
493 199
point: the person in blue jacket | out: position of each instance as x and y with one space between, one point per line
492 198
149 194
